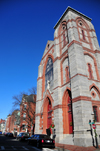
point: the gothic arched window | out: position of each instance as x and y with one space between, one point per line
49 73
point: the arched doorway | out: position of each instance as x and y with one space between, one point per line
67 113
49 114
70 113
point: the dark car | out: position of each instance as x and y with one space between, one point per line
10 134
22 136
7 134
41 140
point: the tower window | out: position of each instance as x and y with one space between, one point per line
67 74
90 71
64 39
83 35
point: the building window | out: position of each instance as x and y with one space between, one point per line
95 113
25 106
24 116
23 127
90 71
49 73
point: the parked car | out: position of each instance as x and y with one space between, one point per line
41 140
10 134
22 136
0 133
7 134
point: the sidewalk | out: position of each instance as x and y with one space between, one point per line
64 147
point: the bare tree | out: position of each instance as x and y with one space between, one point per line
18 99
33 90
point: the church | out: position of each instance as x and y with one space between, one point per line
68 84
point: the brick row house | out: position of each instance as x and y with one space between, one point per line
15 122
8 121
11 122
23 120
27 113
68 84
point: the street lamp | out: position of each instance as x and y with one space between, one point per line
94 131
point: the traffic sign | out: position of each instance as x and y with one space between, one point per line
94 126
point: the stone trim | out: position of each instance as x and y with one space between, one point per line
79 98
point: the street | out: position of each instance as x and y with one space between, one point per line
10 143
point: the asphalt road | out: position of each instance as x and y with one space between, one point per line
10 144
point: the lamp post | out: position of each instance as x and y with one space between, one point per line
94 127
91 131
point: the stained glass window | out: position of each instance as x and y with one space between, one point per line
49 73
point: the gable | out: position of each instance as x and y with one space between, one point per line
48 47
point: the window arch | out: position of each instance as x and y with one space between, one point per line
49 73
83 31
95 113
64 33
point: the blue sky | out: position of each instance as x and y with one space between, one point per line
25 28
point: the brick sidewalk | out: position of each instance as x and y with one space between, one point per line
63 147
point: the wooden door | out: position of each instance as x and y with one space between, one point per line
49 116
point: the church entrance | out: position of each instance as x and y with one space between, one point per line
67 113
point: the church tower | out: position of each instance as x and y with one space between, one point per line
68 84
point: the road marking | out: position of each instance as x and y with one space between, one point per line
2 147
36 148
25 148
19 148
13 148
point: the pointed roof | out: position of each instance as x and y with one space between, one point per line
72 10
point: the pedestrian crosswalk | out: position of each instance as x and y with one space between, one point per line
22 148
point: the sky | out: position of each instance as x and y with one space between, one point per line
25 28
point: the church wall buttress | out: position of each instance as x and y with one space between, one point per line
98 62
